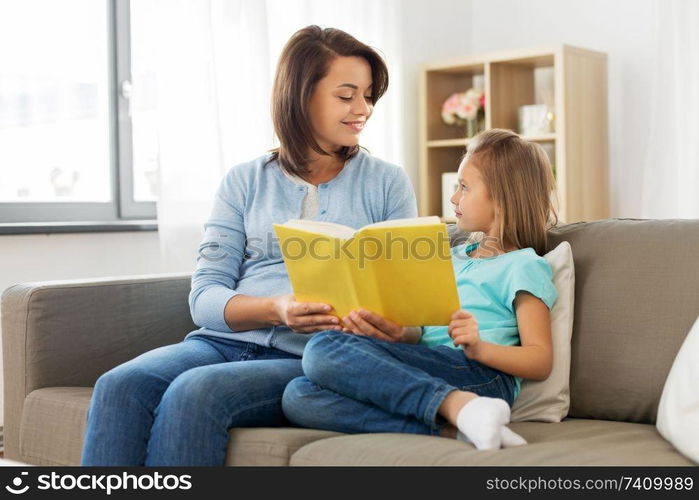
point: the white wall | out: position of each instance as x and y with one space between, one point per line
430 30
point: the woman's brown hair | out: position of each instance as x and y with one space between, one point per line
304 61
520 181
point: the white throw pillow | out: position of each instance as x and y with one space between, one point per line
678 411
549 400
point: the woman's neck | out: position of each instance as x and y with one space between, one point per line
323 169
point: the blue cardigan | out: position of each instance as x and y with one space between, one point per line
240 252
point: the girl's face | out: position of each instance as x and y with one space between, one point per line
475 210
341 103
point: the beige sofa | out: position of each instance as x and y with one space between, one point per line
636 297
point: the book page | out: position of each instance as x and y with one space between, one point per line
326 228
345 232
414 221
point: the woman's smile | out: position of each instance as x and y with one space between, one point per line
356 126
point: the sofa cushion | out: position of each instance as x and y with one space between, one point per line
53 424
548 400
636 297
43 323
269 445
678 412
570 442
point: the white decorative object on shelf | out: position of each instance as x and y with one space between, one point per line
450 183
535 119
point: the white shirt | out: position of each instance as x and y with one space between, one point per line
309 207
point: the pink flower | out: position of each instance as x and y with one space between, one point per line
462 106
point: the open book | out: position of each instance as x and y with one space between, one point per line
400 269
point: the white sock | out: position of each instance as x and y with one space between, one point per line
481 420
510 438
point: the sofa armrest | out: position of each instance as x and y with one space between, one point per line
68 333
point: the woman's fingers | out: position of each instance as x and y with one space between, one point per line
350 326
318 328
305 308
369 329
380 323
314 322
310 321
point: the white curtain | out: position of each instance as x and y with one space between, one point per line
671 170
214 72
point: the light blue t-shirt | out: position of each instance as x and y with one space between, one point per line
487 288
240 252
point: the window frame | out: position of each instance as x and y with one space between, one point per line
122 211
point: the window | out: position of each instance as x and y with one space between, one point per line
77 138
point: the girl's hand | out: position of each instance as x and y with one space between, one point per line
304 317
363 322
463 328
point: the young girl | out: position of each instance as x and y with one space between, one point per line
461 380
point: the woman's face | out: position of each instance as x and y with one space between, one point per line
341 103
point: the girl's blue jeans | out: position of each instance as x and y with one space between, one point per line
357 384
175 404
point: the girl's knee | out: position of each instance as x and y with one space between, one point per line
295 400
298 388
322 340
322 353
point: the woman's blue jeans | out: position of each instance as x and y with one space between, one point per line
356 384
175 404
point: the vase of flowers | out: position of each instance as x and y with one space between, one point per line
467 110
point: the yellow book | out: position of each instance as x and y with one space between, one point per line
400 269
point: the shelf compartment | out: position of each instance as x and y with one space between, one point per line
517 83
438 85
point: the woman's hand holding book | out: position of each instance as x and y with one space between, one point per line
304 317
370 324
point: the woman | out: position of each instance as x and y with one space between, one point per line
174 405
